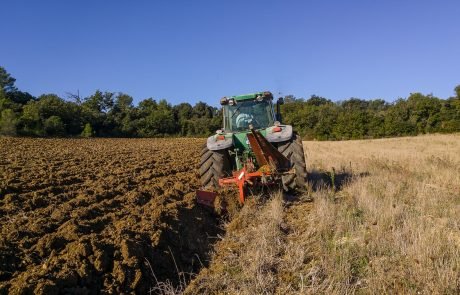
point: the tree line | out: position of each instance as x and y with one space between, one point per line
109 114
102 114
354 118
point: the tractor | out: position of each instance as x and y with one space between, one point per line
252 149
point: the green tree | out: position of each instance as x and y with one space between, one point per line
183 111
54 126
424 112
291 98
183 114
397 121
100 102
457 91
351 124
449 115
216 122
123 102
119 118
95 109
376 125
8 122
87 131
327 115
30 121
378 105
157 119
202 109
7 103
36 112
6 81
315 100
19 97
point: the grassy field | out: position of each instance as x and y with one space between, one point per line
381 216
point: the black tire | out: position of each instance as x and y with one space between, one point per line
293 151
214 165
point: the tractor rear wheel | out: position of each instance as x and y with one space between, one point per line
214 165
293 151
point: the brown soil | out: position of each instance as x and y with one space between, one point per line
100 215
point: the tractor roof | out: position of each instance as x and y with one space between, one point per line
251 96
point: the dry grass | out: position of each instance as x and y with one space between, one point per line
246 259
391 224
385 219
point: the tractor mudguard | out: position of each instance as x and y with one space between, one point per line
284 135
214 145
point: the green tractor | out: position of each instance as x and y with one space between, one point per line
253 148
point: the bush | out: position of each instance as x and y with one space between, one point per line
8 123
87 131
54 126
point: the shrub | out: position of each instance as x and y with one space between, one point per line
8 123
54 126
87 131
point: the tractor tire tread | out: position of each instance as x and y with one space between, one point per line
214 165
293 151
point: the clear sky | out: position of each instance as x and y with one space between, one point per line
203 50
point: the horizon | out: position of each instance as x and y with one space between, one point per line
202 51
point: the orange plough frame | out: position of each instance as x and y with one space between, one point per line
240 178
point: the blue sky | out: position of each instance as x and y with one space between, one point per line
203 50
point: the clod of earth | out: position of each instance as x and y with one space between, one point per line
111 215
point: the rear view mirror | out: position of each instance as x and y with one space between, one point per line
279 102
224 101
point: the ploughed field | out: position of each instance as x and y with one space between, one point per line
85 215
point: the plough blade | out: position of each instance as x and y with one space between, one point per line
206 198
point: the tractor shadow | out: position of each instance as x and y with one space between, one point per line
333 180
185 246
325 180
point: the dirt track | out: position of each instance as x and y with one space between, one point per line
84 216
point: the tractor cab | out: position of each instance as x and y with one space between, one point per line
244 110
243 113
